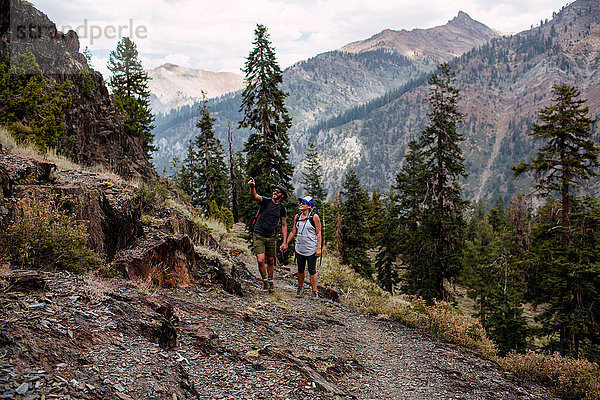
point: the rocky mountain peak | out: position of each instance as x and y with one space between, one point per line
439 44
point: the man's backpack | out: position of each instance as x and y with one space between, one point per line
260 208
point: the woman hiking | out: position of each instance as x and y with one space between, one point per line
307 227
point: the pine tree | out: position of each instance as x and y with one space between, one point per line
569 155
204 174
408 195
129 83
264 112
492 273
355 230
443 225
565 274
312 176
375 218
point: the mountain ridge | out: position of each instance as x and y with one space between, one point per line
503 85
458 36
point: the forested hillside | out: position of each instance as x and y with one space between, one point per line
503 84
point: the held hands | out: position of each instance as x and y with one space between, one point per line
283 247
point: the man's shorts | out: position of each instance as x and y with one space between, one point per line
264 245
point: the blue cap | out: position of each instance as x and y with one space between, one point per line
309 200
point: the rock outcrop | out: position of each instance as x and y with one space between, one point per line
161 253
100 137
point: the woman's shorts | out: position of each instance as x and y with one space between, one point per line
264 245
310 260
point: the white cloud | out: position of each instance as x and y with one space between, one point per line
217 35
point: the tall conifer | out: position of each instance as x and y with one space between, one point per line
564 261
355 230
312 176
204 174
442 224
264 112
569 156
129 83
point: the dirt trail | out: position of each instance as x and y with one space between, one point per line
82 339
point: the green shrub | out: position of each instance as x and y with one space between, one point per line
31 106
222 214
47 239
154 193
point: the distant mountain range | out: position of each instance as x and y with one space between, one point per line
332 82
364 102
172 86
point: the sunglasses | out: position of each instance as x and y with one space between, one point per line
302 202
277 191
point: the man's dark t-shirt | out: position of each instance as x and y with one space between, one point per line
268 217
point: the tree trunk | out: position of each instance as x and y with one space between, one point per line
234 200
565 220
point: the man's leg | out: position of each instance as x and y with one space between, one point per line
270 270
262 268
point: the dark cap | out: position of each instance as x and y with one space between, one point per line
280 187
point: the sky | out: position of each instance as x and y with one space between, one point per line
217 35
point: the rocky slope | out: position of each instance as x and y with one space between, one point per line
100 137
172 86
332 82
187 320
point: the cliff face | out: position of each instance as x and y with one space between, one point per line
99 134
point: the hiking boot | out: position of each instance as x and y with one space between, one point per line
265 285
315 296
271 287
300 291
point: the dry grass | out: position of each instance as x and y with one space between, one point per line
5 272
63 163
442 319
214 226
145 286
97 288
214 256
573 379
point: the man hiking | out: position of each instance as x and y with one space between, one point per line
264 238
307 229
